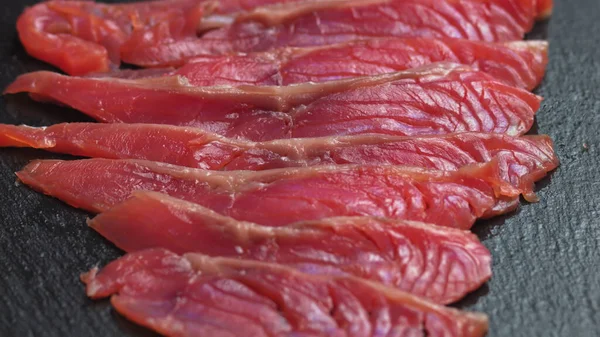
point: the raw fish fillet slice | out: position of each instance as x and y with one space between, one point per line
196 295
436 99
82 36
460 102
486 20
521 64
441 264
526 159
282 196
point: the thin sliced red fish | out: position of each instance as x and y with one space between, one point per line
521 64
197 295
282 196
441 264
329 22
436 99
485 20
526 159
82 36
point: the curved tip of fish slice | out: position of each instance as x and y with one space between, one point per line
503 188
495 174
25 173
51 178
537 60
23 136
23 83
479 326
88 280
546 145
550 162
28 175
95 288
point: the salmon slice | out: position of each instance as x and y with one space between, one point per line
279 197
83 37
521 63
197 295
436 99
80 37
325 23
441 264
526 159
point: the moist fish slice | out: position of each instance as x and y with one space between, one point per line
526 158
436 99
196 295
441 264
517 63
282 196
82 37
486 20
520 63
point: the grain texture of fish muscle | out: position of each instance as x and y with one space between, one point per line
83 36
282 196
441 264
485 20
196 295
435 99
521 64
526 158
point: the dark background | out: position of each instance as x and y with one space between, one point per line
546 257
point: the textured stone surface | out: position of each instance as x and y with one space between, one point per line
546 278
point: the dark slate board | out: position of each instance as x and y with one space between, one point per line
546 256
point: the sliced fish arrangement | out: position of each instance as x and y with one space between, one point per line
278 197
330 246
518 63
526 158
81 37
233 297
289 167
437 99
